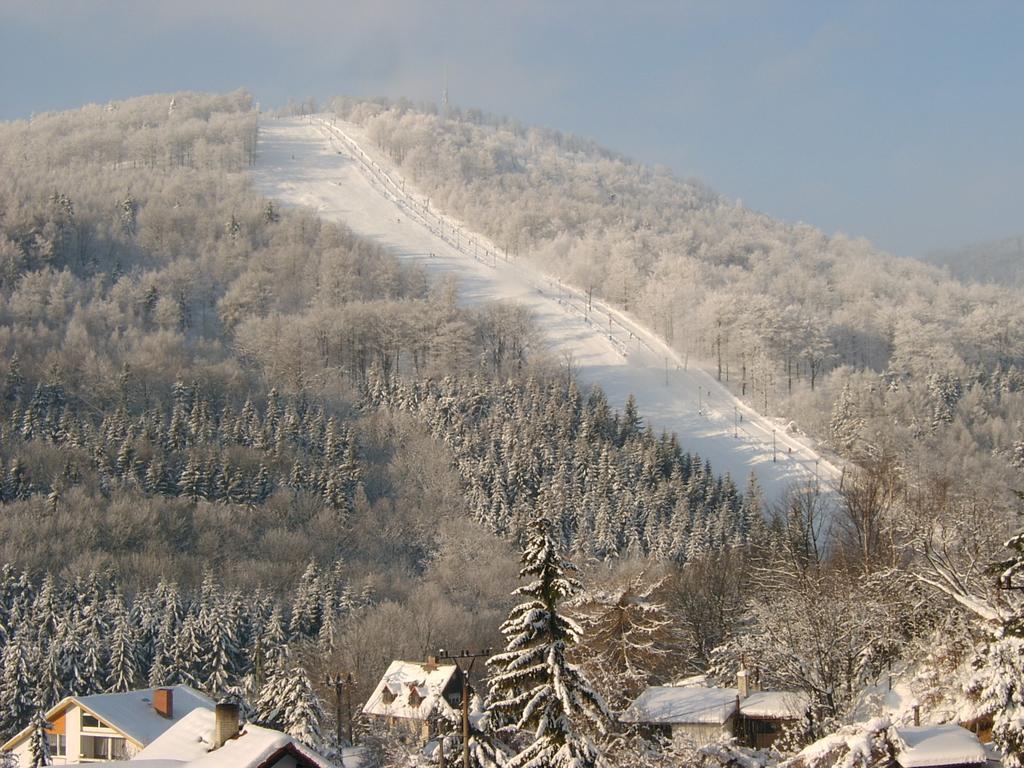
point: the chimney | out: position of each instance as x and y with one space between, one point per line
743 683
431 664
225 724
163 702
917 714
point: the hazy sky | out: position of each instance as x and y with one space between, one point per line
900 121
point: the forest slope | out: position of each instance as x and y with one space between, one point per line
306 162
874 354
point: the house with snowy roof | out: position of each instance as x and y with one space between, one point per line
217 739
702 714
206 738
406 695
937 746
105 727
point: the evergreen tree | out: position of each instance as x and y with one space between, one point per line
533 686
288 703
998 682
485 750
124 670
38 746
17 695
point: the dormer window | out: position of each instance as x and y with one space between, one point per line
387 695
414 697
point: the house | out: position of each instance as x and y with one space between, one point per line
206 738
408 692
684 714
937 746
694 712
765 715
216 739
109 726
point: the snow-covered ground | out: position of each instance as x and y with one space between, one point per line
332 168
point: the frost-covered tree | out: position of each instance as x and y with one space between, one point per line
485 749
533 686
38 746
998 682
628 636
288 702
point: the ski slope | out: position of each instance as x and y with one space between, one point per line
331 168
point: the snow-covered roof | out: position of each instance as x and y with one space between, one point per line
133 714
409 689
775 705
130 712
929 746
669 705
700 681
189 745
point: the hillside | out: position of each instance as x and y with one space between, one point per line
306 163
1000 262
870 353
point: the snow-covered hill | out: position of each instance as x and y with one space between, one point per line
333 169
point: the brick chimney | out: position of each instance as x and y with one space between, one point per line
431 664
163 702
225 724
743 683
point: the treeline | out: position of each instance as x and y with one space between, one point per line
612 487
86 635
783 314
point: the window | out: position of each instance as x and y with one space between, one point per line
90 721
387 695
58 744
103 748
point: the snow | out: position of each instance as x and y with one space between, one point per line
401 679
775 705
670 705
189 739
335 171
938 745
190 742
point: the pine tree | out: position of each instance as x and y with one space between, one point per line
16 690
485 750
288 703
998 682
846 423
124 670
39 747
533 686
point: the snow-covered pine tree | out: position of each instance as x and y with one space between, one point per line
288 703
533 686
485 750
998 682
16 689
124 670
38 746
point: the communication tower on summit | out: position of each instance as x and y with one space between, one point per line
444 93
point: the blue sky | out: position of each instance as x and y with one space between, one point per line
899 121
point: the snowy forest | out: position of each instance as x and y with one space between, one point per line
243 449
870 353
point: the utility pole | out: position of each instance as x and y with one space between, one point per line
471 656
773 445
340 684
